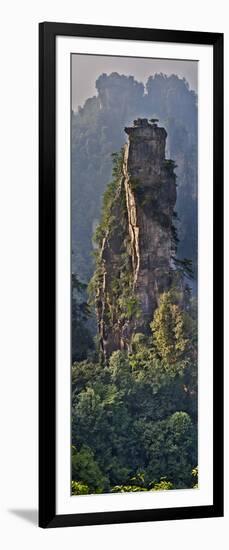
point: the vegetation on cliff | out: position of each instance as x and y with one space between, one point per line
113 274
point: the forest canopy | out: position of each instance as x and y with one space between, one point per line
134 421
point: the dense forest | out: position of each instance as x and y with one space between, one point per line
134 423
134 413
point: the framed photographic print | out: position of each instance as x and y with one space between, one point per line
131 275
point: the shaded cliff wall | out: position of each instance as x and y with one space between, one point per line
151 195
136 258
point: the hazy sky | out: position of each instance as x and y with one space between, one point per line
87 68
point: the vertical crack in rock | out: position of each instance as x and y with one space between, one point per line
132 217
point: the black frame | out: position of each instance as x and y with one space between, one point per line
47 274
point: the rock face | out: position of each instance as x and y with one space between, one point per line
150 205
146 197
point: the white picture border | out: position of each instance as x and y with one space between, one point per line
65 503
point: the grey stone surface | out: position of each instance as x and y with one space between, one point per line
149 183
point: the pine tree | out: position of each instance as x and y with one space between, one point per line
171 330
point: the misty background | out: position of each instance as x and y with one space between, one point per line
87 68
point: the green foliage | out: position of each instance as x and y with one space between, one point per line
170 447
82 340
79 488
139 342
172 330
195 477
120 370
136 420
162 485
127 489
85 468
110 196
141 485
184 266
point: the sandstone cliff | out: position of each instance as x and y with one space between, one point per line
136 247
